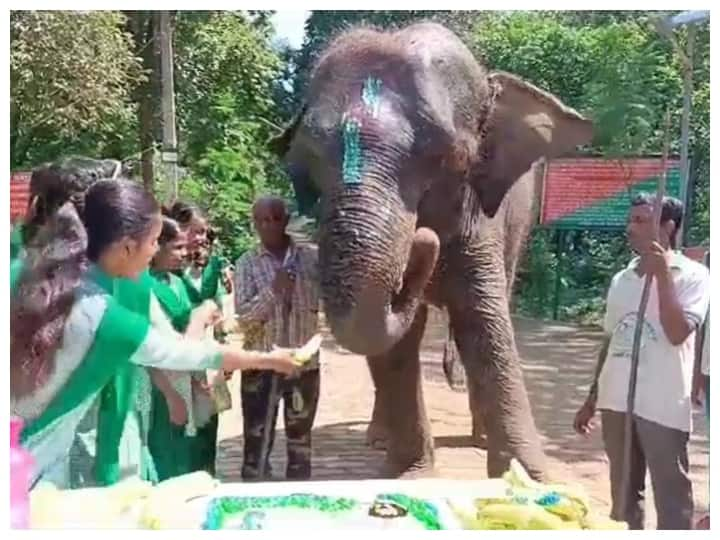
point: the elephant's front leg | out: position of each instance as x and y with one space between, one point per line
400 404
376 434
479 312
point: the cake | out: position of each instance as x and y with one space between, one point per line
306 511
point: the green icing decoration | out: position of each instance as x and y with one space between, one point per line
423 511
223 508
352 153
219 509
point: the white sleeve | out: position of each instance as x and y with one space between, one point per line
705 360
158 319
694 295
164 348
610 319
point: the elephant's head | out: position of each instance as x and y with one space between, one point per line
389 121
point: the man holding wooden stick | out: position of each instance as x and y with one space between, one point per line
277 297
662 414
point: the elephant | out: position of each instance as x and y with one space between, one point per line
422 164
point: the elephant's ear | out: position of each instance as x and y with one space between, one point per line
524 125
280 144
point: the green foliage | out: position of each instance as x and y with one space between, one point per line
226 77
700 139
225 70
588 259
620 74
70 79
227 198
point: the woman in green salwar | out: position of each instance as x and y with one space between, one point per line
204 279
116 433
70 336
173 425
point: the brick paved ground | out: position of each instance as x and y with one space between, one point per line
558 361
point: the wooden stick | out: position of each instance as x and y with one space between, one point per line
274 396
637 338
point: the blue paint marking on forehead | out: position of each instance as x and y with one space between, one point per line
352 148
352 152
371 95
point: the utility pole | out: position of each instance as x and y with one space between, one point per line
666 28
687 185
169 143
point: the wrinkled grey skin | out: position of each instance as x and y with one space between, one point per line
438 214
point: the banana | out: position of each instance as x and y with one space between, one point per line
161 508
517 476
573 502
563 506
467 514
519 517
307 351
44 501
97 508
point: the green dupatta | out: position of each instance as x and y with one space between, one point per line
118 337
209 282
172 293
118 396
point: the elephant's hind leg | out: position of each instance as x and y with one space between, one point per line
400 404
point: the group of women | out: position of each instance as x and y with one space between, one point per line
112 303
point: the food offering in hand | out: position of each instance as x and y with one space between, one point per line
303 355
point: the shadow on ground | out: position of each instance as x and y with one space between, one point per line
339 453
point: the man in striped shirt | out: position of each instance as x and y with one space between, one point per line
276 304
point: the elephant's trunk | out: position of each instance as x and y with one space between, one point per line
374 265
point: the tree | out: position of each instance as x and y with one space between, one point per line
146 94
70 80
226 79
225 70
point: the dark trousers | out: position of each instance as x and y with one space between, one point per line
204 447
662 451
300 398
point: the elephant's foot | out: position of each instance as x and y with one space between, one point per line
479 437
414 471
532 460
480 441
376 437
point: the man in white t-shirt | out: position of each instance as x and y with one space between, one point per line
663 410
